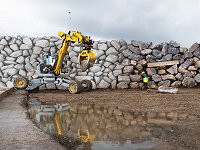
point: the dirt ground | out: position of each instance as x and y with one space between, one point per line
187 134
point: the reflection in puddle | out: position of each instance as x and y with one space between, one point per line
105 127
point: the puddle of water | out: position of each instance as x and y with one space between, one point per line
105 128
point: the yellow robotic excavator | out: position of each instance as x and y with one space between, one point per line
49 71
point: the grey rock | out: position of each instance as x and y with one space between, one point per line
174 44
111 50
13 40
197 52
165 49
16 53
167 57
111 67
156 78
107 70
111 76
3 42
150 58
157 53
10 58
81 78
173 69
135 78
72 54
146 51
183 50
133 62
187 63
122 85
51 50
169 77
192 68
165 83
108 43
181 70
107 64
9 84
136 43
176 84
95 69
151 71
151 85
142 62
22 72
123 48
1 47
19 42
157 46
33 57
8 38
188 55
177 57
117 72
128 70
14 47
139 67
103 84
135 50
126 62
187 74
7 66
19 66
42 43
2 85
126 53
124 79
193 47
98 73
144 45
24 46
112 58
103 57
137 57
28 67
97 80
4 80
197 78
77 49
188 82
2 58
6 62
37 50
27 41
197 64
74 60
173 50
120 57
82 73
95 45
25 53
134 85
102 46
108 80
8 50
119 67
11 71
122 42
114 84
115 44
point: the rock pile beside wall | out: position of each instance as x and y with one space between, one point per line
118 63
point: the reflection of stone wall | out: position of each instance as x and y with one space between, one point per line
117 65
112 124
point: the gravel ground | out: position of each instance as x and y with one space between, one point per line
185 136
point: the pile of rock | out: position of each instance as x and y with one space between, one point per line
118 63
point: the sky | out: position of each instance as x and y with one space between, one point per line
145 20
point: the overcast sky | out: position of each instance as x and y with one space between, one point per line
146 20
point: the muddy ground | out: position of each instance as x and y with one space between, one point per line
187 134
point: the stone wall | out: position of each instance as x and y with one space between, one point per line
118 63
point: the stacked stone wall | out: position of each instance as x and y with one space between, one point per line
118 65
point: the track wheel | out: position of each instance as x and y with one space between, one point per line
75 87
20 83
86 85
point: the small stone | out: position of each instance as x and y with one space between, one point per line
139 67
37 50
169 77
135 50
187 74
187 63
122 42
161 71
2 58
135 78
108 80
81 78
165 49
137 57
95 69
176 84
114 84
103 84
134 85
197 64
188 82
1 47
126 53
28 67
24 46
9 84
197 78
102 46
112 58
146 51
3 42
193 47
173 69
42 43
157 53
197 53
11 71
177 57
25 53
122 85
133 62
77 49
14 47
156 78
97 80
111 50
128 69
167 57
98 73
115 44
123 79
27 41
136 43
188 55
22 72
74 60
179 77
126 62
165 83
174 44
151 85
173 50
16 53
7 50
182 70
192 68
144 45
151 71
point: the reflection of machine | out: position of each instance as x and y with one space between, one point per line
49 71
